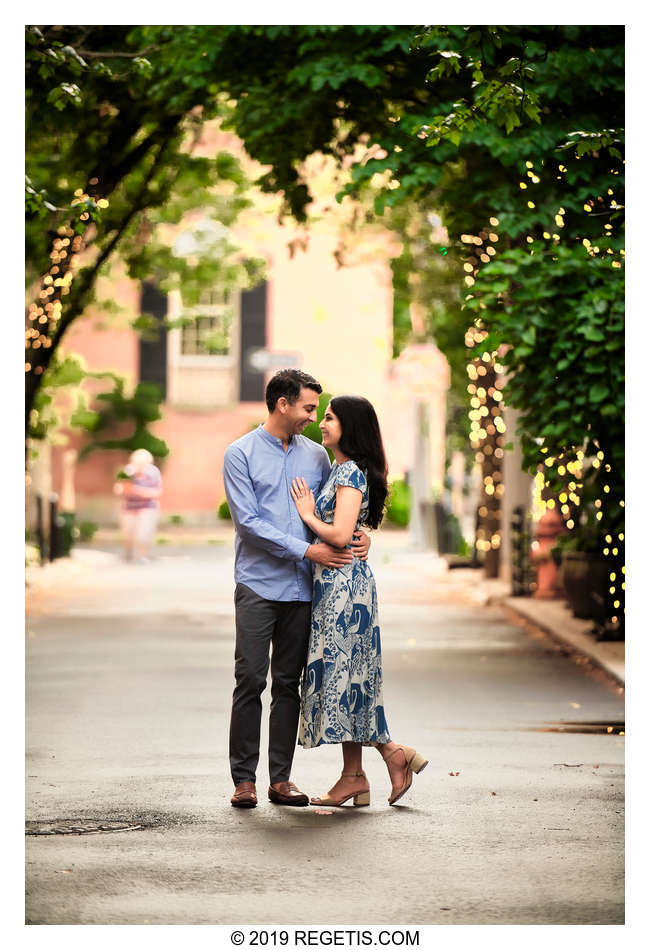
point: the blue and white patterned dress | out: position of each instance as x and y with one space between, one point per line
342 697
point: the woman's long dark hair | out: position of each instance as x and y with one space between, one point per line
361 441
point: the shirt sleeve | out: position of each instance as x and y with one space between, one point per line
244 509
350 476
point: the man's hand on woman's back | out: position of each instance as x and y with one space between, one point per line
360 545
328 556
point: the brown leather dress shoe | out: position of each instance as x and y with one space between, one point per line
286 793
245 796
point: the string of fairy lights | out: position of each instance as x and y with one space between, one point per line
487 427
44 315
572 467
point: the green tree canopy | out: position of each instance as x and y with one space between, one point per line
112 112
515 133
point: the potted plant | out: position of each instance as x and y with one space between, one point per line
584 570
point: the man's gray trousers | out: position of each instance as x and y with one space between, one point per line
261 624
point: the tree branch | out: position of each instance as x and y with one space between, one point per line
90 275
130 160
90 54
85 281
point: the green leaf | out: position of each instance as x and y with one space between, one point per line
69 372
598 392
83 418
511 121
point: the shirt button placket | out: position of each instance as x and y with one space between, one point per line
292 509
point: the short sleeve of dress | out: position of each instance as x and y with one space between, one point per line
350 475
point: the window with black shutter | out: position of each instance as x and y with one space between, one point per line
253 336
153 343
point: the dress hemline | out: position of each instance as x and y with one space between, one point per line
381 740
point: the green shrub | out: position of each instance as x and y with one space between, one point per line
65 522
457 543
175 519
86 530
223 511
398 504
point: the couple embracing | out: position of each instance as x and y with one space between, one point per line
304 588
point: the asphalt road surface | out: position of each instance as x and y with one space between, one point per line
518 819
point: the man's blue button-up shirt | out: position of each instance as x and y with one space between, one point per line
271 538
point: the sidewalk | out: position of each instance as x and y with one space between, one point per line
553 617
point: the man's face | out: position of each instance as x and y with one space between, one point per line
302 412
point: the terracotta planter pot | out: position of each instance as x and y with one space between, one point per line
585 579
549 527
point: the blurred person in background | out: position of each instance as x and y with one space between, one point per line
140 486
342 699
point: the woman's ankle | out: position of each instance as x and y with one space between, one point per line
385 748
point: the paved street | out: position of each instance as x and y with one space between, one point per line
518 818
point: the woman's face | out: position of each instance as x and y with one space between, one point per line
330 428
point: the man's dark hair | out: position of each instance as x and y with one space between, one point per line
288 383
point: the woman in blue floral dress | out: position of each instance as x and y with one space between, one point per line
342 700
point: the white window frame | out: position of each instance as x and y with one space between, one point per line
176 357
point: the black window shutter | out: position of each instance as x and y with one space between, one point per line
253 336
153 352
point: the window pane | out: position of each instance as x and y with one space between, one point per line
209 333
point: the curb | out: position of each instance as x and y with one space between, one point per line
555 619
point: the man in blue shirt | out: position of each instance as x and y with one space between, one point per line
273 577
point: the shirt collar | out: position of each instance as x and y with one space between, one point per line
272 439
